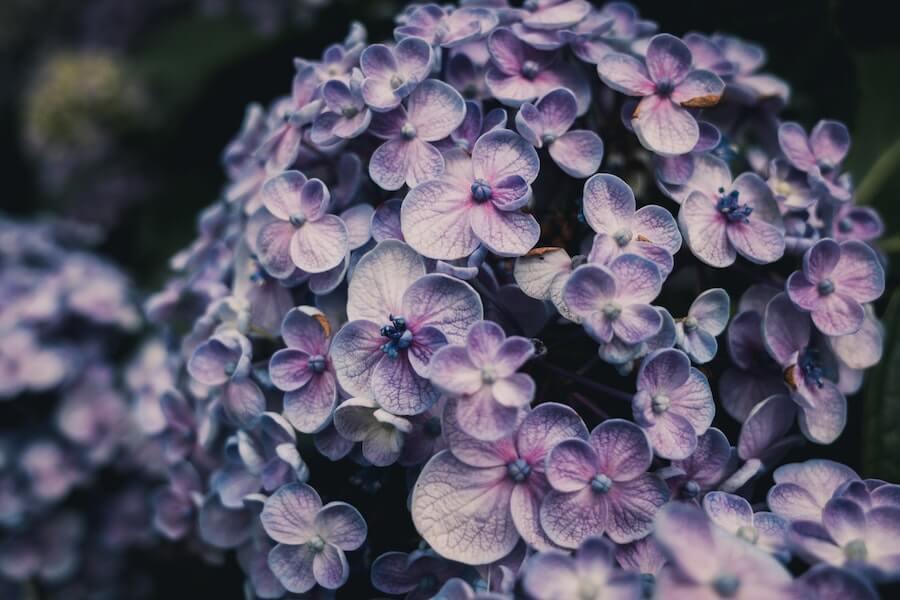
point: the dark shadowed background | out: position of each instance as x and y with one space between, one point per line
116 112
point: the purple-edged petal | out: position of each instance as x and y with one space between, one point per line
766 425
625 74
288 515
704 231
633 505
289 369
795 145
435 220
380 279
320 245
340 524
444 302
829 142
571 465
622 448
668 59
436 109
664 127
502 153
578 153
504 233
309 409
569 518
330 568
355 352
293 566
281 194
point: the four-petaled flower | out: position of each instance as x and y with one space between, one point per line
706 318
392 74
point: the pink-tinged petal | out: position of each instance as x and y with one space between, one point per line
289 513
330 568
435 220
838 314
209 361
444 302
829 142
844 520
862 349
397 387
757 241
525 509
391 164
273 246
436 109
883 531
588 289
700 89
451 370
293 566
380 279
425 343
414 58
684 532
355 351
665 127
637 279
694 401
281 194
625 74
305 331
504 233
569 76
502 153
859 273
704 230
515 391
544 427
795 145
557 15
511 90
622 448
578 153
507 51
728 511
289 369
309 409
319 246
480 416
570 518
510 193
766 425
820 261
672 436
379 94
608 204
463 512
571 465
341 525
637 323
483 341
824 422
632 507
668 58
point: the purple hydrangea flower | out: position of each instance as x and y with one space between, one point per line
347 115
311 538
711 563
650 232
801 490
381 433
304 370
723 219
548 123
673 403
822 406
224 360
282 145
668 85
520 73
708 465
552 14
863 541
614 301
399 317
176 505
447 28
591 574
433 111
418 574
826 582
734 514
392 74
707 317
491 396
856 223
474 126
476 201
836 279
602 486
301 233
474 501
820 155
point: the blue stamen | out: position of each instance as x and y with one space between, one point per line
399 337
530 69
518 470
601 483
665 88
729 206
481 191
811 367
317 363
825 287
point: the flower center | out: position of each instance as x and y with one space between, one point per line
399 337
518 470
665 88
748 533
601 483
825 287
316 544
297 220
660 404
728 205
317 363
408 131
726 585
531 5
622 237
856 550
811 367
481 191
530 69
230 368
487 375
612 311
845 225
690 324
349 112
691 489
548 138
396 81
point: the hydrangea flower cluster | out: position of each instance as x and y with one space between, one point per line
489 254
69 421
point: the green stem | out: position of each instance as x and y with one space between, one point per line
886 166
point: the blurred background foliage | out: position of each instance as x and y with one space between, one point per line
116 112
